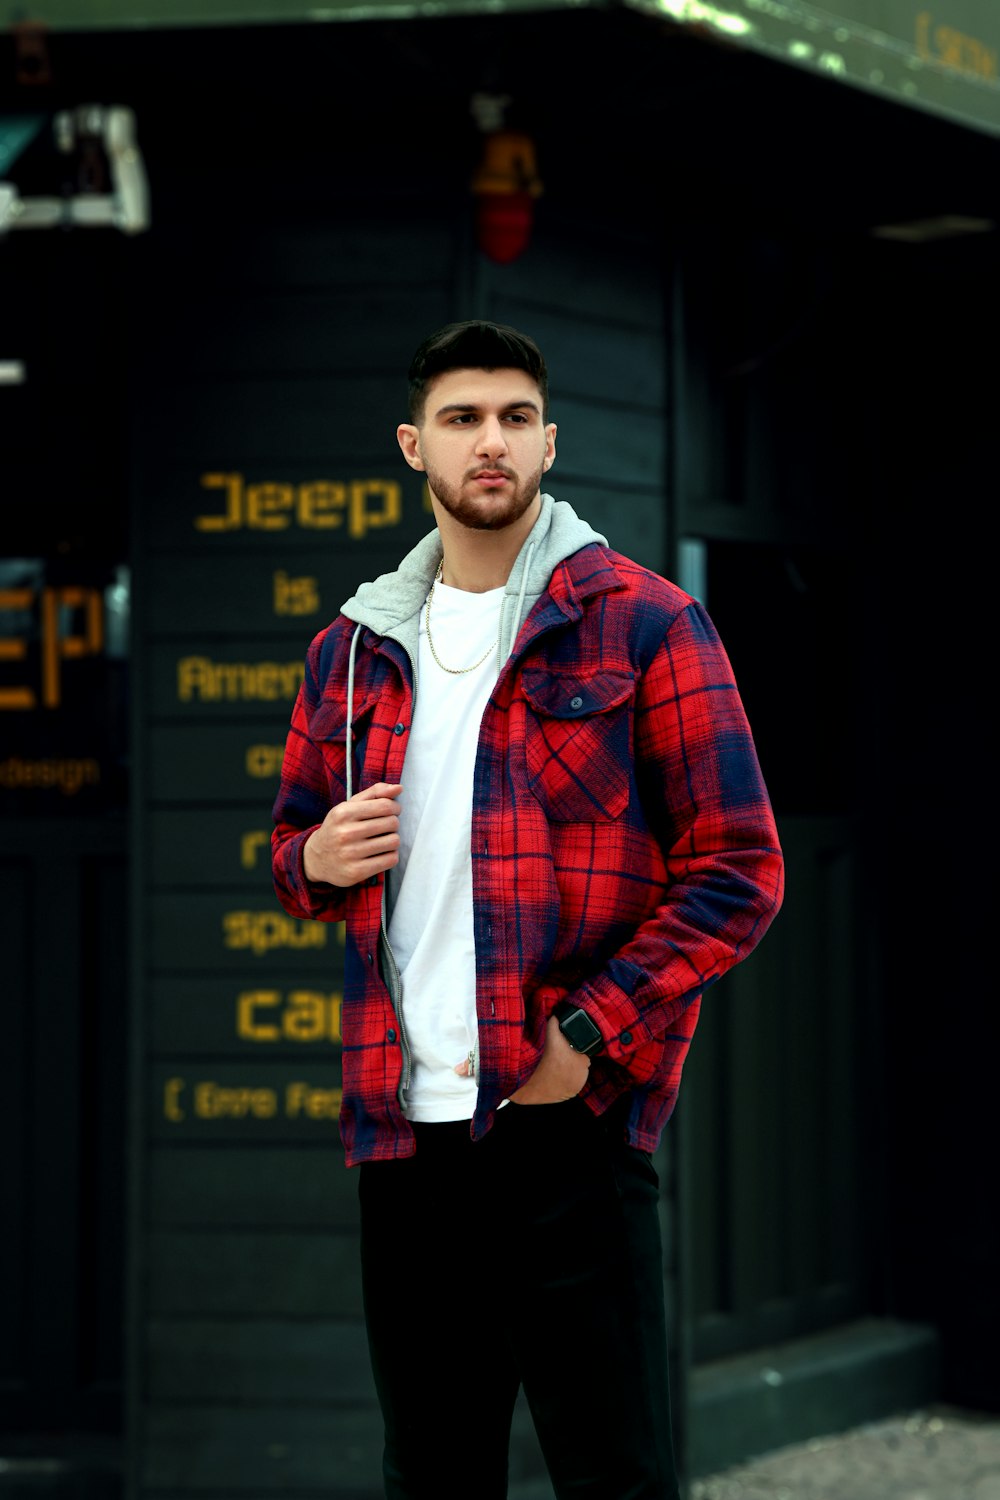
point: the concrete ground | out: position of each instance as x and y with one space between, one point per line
937 1454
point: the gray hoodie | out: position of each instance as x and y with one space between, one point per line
391 604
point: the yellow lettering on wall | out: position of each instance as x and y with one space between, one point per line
321 504
301 1016
295 596
954 49
13 648
264 760
58 607
212 1101
262 931
313 1016
202 680
386 510
251 845
301 1099
316 505
56 646
233 514
172 1090
64 775
268 506
249 1026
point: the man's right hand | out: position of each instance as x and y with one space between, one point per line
357 838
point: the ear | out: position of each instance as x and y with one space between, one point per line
550 447
408 438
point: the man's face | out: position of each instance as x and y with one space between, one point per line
482 444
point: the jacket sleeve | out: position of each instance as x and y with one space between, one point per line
705 800
305 796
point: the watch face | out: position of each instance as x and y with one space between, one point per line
580 1031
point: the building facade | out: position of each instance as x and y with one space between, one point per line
765 284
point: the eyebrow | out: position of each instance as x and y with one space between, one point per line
454 406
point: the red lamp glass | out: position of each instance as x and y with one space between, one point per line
506 185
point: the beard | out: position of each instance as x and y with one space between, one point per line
493 510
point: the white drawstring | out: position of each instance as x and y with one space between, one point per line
349 777
520 598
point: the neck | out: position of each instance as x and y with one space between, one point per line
477 561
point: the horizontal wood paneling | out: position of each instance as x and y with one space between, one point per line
212 847
269 1015
600 444
581 265
295 331
288 595
243 678
261 418
267 1450
597 357
218 765
253 1274
320 253
261 1186
632 520
235 932
275 1450
262 1360
253 1102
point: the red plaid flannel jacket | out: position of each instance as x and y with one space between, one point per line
624 853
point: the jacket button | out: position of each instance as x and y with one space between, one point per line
626 1038
576 703
399 729
370 959
390 1035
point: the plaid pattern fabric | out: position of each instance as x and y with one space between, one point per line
624 853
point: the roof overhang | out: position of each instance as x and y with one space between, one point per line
942 56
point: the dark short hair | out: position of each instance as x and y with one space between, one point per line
475 345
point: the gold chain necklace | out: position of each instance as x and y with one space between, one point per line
455 671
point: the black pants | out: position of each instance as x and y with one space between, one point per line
529 1258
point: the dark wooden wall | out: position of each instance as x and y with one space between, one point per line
266 485
706 288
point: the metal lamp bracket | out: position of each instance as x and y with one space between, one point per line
124 207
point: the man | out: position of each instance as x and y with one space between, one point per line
519 770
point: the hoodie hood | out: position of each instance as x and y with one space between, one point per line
391 604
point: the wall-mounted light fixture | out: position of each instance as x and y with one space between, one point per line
506 182
111 186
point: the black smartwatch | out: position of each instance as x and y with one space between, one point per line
578 1029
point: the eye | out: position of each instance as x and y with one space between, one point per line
517 416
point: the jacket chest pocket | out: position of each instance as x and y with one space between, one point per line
329 730
578 743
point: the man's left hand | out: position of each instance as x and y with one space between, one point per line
561 1073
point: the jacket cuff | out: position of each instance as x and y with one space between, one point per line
621 1025
322 902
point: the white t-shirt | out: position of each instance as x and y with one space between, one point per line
430 929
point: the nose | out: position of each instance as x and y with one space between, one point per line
492 438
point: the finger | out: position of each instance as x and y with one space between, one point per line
382 808
371 828
390 789
362 869
356 851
